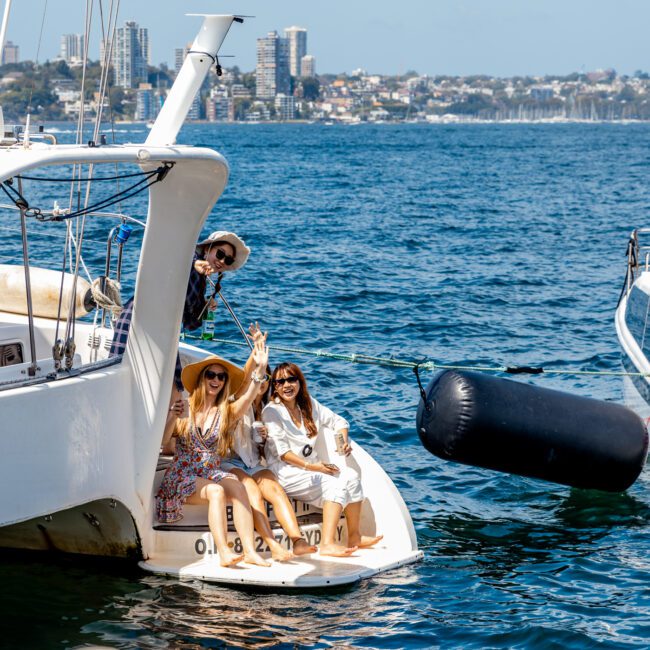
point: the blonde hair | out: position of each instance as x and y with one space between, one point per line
198 399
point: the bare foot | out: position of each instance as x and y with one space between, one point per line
254 558
363 541
300 547
227 558
336 550
280 554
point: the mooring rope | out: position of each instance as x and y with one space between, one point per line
427 364
106 294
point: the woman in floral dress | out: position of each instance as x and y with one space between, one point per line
202 440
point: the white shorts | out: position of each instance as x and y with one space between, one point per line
315 487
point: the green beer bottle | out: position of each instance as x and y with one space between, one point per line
207 328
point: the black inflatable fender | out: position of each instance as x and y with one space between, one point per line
510 426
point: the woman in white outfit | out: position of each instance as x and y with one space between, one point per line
293 420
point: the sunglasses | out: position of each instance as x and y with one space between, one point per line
281 382
211 374
221 255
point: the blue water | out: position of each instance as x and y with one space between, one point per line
472 244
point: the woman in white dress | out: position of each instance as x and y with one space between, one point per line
294 420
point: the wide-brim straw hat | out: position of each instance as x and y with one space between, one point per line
241 250
192 371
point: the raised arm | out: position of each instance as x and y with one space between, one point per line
256 334
260 359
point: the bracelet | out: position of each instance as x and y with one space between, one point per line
307 465
255 379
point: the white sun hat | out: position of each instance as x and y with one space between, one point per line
241 250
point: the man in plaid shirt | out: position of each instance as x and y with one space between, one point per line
220 252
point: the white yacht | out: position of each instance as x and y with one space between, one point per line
632 323
81 431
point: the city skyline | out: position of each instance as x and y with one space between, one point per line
501 38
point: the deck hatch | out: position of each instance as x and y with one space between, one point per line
11 354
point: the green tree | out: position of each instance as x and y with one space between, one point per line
241 108
627 94
472 105
310 88
248 80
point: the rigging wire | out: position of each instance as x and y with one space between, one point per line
151 178
82 98
95 179
107 60
393 362
80 227
108 37
38 50
147 180
112 215
100 107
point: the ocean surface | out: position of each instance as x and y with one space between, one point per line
483 245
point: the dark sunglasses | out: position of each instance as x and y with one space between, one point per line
211 374
228 260
281 382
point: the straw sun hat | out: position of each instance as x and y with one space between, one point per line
241 250
192 371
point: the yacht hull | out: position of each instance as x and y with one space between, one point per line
636 386
103 527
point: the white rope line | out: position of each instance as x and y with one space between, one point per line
109 298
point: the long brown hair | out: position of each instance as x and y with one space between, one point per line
303 400
198 399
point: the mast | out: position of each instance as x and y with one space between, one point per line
190 77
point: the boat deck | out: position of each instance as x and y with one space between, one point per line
304 573
185 549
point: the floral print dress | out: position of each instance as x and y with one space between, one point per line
195 457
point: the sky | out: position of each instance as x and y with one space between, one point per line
437 37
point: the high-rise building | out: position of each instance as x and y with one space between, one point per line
308 66
285 107
194 113
219 107
272 71
10 53
145 106
131 55
179 56
297 38
72 48
103 45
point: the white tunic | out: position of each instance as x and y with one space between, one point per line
306 485
245 448
247 453
285 436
